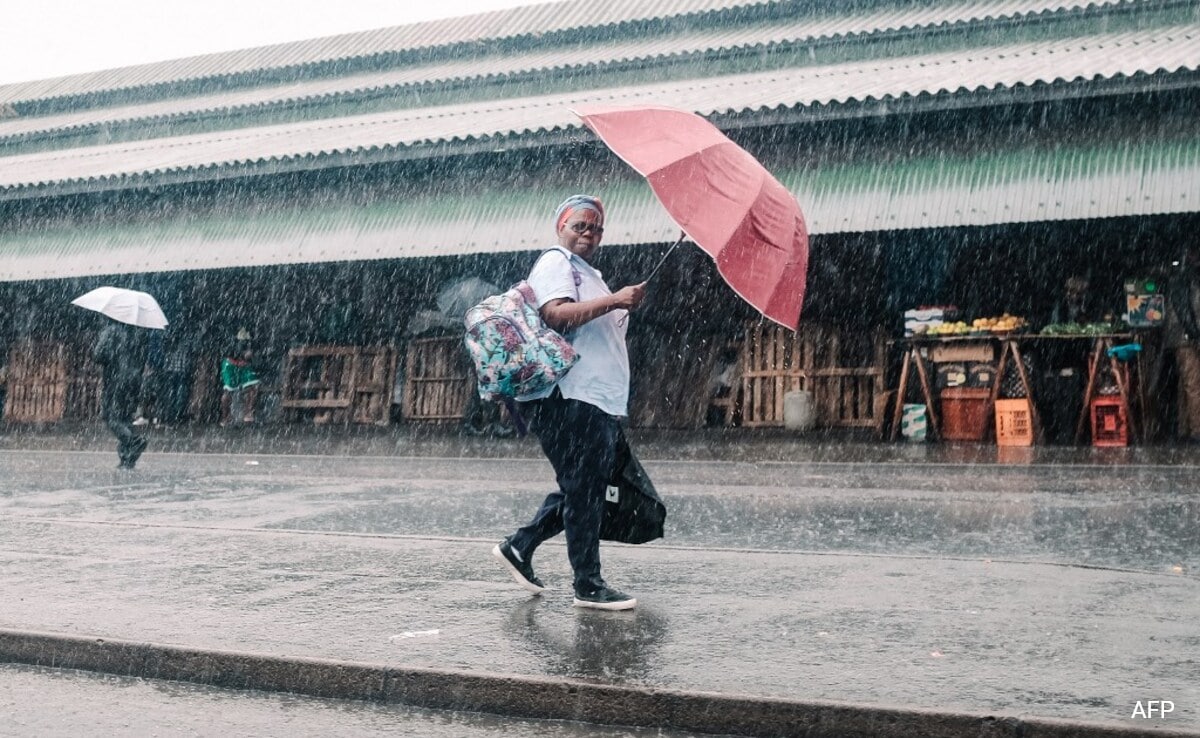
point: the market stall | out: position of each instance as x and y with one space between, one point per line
998 377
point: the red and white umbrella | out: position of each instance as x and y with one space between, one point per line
721 197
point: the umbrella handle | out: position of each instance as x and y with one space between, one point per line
663 260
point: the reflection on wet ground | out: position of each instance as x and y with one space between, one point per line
611 647
1128 517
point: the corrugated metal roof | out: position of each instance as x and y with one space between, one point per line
1021 185
1096 57
532 20
791 21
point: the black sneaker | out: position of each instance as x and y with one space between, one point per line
139 445
604 598
521 571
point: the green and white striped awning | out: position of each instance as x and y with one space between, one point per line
935 190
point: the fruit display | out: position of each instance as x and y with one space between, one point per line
1003 324
957 328
934 327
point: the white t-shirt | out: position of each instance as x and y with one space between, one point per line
601 376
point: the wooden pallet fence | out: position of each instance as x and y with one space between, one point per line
850 397
438 382
375 372
339 384
775 361
83 384
37 382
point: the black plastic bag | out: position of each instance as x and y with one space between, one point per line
633 511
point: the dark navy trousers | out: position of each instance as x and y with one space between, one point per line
581 442
118 403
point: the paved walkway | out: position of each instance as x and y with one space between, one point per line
169 559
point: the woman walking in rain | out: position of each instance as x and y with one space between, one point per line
577 422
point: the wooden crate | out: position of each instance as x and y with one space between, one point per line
339 384
775 361
37 382
375 376
438 382
83 384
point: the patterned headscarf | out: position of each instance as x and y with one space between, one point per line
575 203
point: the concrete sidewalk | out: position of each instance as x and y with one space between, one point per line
944 600
858 641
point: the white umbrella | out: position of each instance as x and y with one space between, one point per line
126 306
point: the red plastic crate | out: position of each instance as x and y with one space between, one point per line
1110 427
964 413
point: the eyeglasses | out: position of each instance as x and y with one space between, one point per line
582 228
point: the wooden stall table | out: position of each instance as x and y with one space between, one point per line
1010 350
912 356
1121 375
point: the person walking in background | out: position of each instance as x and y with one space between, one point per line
239 379
121 350
149 409
176 378
1181 334
578 421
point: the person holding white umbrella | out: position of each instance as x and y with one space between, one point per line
121 350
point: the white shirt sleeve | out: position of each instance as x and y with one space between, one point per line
553 278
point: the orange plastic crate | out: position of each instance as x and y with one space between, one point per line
1109 425
1014 423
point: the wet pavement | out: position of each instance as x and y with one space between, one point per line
1055 590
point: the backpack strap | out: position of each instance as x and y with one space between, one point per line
577 278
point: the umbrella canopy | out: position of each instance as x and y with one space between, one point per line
721 197
126 306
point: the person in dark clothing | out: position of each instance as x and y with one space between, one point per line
122 350
1181 335
1075 304
176 378
1062 363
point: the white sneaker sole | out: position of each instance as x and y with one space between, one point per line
526 585
622 605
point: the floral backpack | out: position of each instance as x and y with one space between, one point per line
516 356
